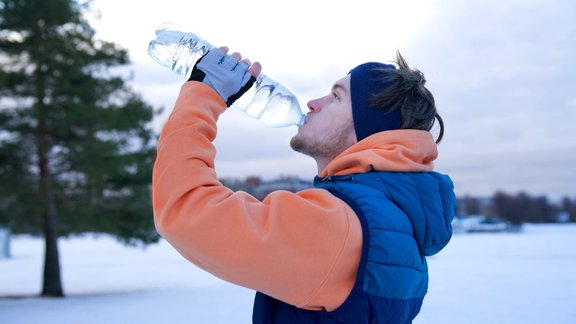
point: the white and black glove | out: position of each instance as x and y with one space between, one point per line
226 75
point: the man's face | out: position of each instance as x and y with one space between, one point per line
329 128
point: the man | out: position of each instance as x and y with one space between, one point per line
350 250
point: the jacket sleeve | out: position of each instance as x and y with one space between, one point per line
302 248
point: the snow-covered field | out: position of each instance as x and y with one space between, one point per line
527 277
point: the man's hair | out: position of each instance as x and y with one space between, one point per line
408 93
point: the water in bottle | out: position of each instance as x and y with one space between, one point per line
268 101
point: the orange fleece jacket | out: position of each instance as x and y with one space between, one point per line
302 248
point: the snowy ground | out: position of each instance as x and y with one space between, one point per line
524 277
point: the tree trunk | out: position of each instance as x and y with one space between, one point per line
52 283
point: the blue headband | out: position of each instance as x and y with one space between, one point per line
365 81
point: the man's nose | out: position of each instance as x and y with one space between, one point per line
314 105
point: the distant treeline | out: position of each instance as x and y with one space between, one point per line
519 208
515 208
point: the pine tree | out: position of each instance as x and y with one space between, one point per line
76 147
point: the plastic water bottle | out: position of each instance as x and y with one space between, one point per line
268 101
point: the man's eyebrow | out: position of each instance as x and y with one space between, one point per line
339 87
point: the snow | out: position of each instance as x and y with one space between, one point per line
525 277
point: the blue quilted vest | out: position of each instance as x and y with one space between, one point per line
405 217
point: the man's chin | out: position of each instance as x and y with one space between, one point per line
297 144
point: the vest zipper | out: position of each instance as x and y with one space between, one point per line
335 179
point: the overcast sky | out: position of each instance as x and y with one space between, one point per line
503 73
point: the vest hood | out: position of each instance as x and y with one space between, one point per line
428 200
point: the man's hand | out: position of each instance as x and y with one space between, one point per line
229 75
